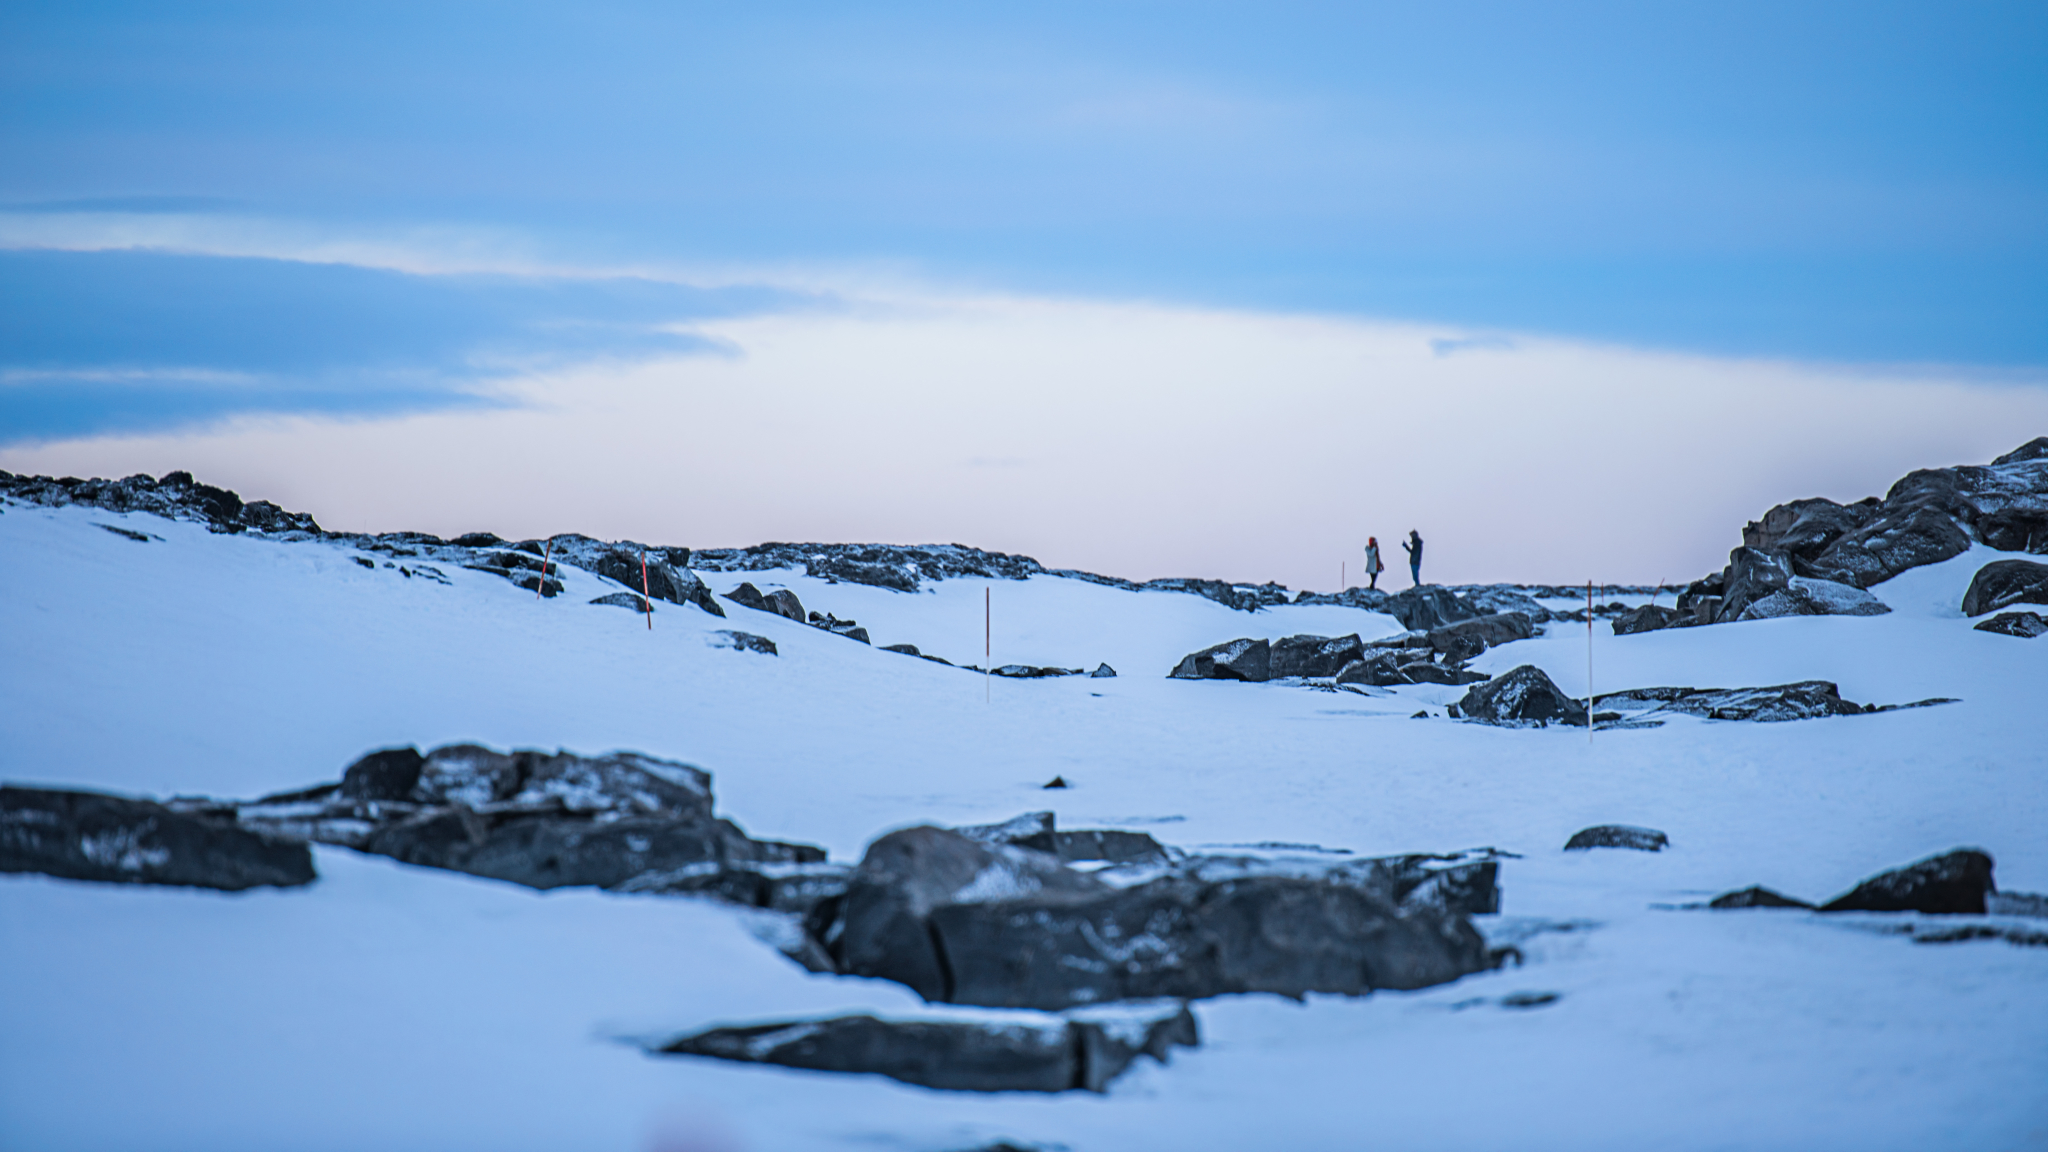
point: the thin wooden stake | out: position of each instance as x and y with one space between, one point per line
988 663
646 597
1589 661
550 551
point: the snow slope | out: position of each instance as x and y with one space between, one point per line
400 1008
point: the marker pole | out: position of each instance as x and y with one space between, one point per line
988 664
550 551
1589 661
646 597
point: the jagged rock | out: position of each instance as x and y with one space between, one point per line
2003 583
744 642
1312 655
1033 672
534 818
1370 599
1111 845
116 839
661 580
838 627
1102 672
1524 696
779 887
1805 700
1805 596
782 601
895 577
2017 903
1618 836
1954 882
2025 625
1468 638
1494 599
1421 609
1427 672
1009 831
1648 618
1752 575
1381 669
631 601
975 923
1020 1053
1237 660
1755 897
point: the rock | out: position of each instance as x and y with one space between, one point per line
627 600
1524 696
1805 700
1954 882
1421 609
779 887
1892 544
896 578
534 818
1031 672
744 642
2003 583
1426 672
882 928
116 839
748 596
1102 672
2025 625
1804 529
1494 599
390 774
1755 897
661 579
1468 638
1311 655
1805 596
1752 575
1618 836
1380 669
1022 1053
1009 831
2035 449
1369 599
1237 660
1057 782
1109 845
1648 618
2016 904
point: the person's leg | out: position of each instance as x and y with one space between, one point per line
1415 572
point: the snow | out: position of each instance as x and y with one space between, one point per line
395 1007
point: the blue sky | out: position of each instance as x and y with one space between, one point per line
371 210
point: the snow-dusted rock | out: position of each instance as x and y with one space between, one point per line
2025 625
1522 697
1429 606
119 840
1380 669
1618 836
1806 596
1755 896
1236 660
1010 1052
743 642
1102 672
1647 618
631 601
2003 583
782 601
1953 882
1312 655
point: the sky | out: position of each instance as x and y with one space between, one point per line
1151 289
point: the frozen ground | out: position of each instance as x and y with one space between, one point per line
398 1008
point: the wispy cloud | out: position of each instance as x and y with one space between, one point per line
1452 345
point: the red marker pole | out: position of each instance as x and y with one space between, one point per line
648 597
548 552
988 663
1589 661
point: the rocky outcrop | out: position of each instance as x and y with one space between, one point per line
782 602
545 820
1237 660
120 840
1806 596
1522 697
1421 609
743 642
1805 700
899 568
2025 625
1954 882
1647 618
2003 583
961 920
1618 836
631 601
1313 655
1020 1052
1103 672
1756 896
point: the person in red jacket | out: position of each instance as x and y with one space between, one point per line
1373 567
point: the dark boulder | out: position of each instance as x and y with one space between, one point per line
895 577
748 596
1804 529
1033 672
390 774
1805 700
1106 844
2025 625
1468 638
1029 1053
1237 660
1807 596
744 642
1890 545
1755 897
1421 609
115 839
1380 669
1618 836
1954 882
1648 618
1429 672
631 601
1102 672
2003 583
1521 697
782 601
650 572
1752 575
1312 655
2035 449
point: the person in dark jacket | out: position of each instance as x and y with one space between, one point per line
1413 546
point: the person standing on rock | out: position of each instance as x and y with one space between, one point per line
1373 567
1413 546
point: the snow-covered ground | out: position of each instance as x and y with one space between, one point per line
397 1008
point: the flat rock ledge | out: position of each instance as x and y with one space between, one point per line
122 840
1013 1052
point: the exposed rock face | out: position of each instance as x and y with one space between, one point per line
2025 625
743 642
1805 700
1523 697
2003 583
1752 576
1236 660
975 923
1806 596
1369 599
1036 831
1647 618
1755 897
782 601
662 580
534 818
1102 672
1618 836
1380 669
115 839
1953 882
1427 607
631 601
878 565
1033 672
1494 599
1023 1053
1468 638
1312 655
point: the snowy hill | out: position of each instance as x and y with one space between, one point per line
394 1006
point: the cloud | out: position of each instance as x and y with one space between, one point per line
126 205
134 340
1452 345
